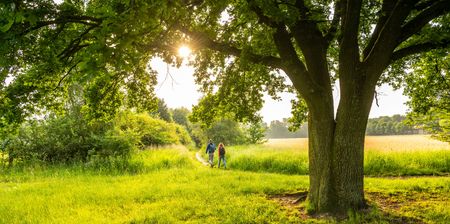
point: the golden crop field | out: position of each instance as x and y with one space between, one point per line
378 143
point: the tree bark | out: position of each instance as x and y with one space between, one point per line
348 147
321 195
336 151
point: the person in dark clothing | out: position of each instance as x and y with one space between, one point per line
210 149
221 153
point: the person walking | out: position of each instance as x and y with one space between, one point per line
221 153
210 149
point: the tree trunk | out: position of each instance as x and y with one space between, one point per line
321 132
336 154
348 149
321 193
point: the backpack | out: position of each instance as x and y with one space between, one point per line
221 151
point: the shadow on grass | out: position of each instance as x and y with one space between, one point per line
380 210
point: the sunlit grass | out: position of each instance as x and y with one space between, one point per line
404 143
384 156
171 187
177 193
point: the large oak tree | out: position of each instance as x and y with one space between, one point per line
242 47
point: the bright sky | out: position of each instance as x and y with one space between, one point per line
179 90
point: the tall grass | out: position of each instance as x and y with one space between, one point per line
144 161
184 193
168 194
384 156
268 159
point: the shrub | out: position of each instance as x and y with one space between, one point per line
67 140
151 131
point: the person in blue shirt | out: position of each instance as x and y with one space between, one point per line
210 149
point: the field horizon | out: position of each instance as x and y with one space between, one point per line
168 185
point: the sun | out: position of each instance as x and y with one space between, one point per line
184 51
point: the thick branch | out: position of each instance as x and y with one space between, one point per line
86 20
204 40
386 10
423 5
377 58
331 33
300 4
418 48
417 23
262 18
293 66
349 49
286 49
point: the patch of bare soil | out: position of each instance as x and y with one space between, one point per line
388 206
292 203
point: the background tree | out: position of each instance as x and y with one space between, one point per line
394 125
241 47
280 129
163 111
181 116
429 90
255 132
226 131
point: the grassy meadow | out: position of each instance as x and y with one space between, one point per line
384 156
167 185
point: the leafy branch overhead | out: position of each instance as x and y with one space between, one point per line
242 50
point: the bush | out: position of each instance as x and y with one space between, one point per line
151 131
67 140
71 138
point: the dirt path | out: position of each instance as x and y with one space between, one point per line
200 159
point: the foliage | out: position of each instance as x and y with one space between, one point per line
198 135
384 125
226 131
85 197
394 125
181 116
67 139
299 115
241 50
163 111
47 46
255 132
429 90
151 131
282 129
71 138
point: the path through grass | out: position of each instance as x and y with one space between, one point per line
171 187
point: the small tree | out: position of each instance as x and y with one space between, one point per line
226 131
180 116
163 111
255 132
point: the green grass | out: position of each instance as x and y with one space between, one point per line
290 156
170 187
266 159
168 190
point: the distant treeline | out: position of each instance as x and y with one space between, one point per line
385 125
394 125
280 129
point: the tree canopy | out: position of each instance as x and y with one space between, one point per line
242 49
429 90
